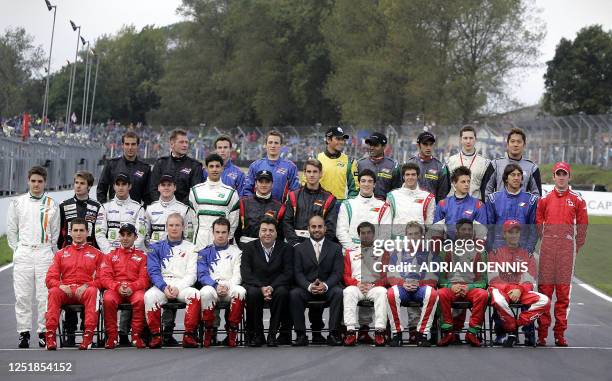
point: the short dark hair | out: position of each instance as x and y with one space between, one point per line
213 157
221 221
132 135
408 166
467 127
268 221
366 172
509 169
516 131
313 216
222 138
365 224
37 170
176 132
463 221
275 133
85 175
314 163
460 171
79 221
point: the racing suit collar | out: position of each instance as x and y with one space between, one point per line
460 198
332 155
377 160
365 197
263 196
80 201
79 246
510 158
425 158
511 193
312 191
174 243
36 198
127 161
468 154
220 248
560 193
128 250
166 204
177 158
214 183
122 202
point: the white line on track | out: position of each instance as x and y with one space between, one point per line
6 267
594 291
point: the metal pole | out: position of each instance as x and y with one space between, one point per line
84 122
85 83
93 96
76 55
46 102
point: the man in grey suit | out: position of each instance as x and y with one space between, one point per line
318 269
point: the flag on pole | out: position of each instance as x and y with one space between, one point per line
25 131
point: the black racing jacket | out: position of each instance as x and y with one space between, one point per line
187 172
139 173
73 208
304 203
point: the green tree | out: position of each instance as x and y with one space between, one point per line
579 77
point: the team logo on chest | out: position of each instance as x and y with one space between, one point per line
282 171
186 171
139 173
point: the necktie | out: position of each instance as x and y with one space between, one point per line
267 255
317 250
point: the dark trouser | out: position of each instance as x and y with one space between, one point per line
300 298
71 321
255 307
168 318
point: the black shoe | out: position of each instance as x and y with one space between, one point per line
509 342
42 341
170 341
396 340
284 339
457 340
272 342
421 340
69 341
301 340
318 339
334 339
256 341
530 338
124 341
24 339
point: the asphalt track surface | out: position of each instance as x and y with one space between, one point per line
588 358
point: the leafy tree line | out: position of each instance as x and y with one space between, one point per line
276 62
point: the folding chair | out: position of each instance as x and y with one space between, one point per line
484 334
225 305
516 309
79 308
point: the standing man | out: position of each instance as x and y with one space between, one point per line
33 225
338 169
318 270
408 203
232 175
211 200
461 204
120 210
363 208
309 200
468 157
187 171
172 268
81 206
219 274
562 222
433 175
72 279
138 171
157 213
267 273
260 205
125 278
386 170
284 172
493 178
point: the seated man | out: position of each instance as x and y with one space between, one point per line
70 280
219 274
318 269
463 282
125 278
172 267
413 286
515 287
267 273
364 281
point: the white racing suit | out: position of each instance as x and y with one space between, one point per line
156 215
404 205
110 218
33 226
353 212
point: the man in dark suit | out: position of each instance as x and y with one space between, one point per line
267 273
318 269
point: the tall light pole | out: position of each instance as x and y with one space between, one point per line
72 79
85 82
93 96
46 101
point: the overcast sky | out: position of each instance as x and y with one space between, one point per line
563 18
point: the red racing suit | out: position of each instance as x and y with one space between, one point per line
501 283
129 267
562 221
74 266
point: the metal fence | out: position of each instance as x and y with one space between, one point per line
61 162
